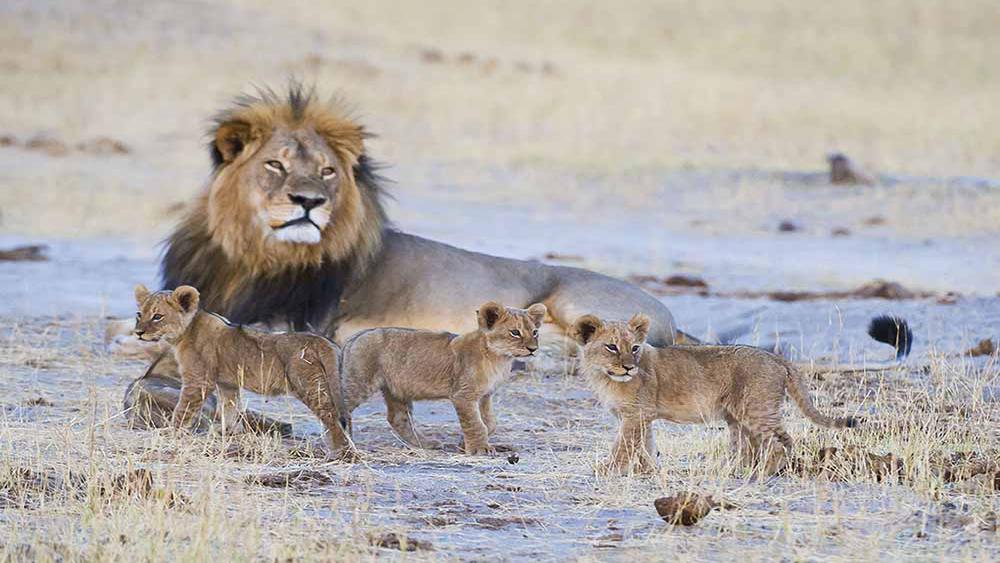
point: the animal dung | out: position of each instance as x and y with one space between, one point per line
788 226
986 347
31 253
845 172
684 508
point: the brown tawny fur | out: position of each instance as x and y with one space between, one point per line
416 365
741 385
215 356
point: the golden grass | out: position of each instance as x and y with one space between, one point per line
550 504
906 87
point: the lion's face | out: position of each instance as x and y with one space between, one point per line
509 331
164 314
294 182
611 348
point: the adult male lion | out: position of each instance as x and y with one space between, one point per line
291 228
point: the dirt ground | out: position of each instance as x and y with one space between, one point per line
644 141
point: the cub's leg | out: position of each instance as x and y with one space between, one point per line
486 411
771 444
193 394
632 448
740 441
400 416
474 431
309 384
230 411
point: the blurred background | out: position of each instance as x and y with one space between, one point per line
644 139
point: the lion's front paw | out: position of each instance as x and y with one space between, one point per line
345 455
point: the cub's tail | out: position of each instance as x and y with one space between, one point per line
800 394
329 357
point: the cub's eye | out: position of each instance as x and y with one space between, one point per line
515 333
635 349
611 348
275 166
157 318
328 172
534 333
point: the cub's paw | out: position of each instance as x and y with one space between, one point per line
345 455
481 449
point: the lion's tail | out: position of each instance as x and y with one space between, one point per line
800 394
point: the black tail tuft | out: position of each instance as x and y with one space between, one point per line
893 331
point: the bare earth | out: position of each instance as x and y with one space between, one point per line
648 139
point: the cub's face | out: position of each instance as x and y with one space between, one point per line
164 314
511 332
611 348
295 181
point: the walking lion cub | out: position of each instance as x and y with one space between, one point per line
416 365
215 355
742 385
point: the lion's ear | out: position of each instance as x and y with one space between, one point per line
537 312
639 325
141 293
231 138
187 298
489 314
585 327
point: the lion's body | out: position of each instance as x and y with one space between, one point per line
409 365
740 385
215 356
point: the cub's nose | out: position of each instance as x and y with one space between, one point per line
532 348
307 201
628 368
139 332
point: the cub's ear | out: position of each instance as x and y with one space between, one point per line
537 313
187 297
141 293
585 327
489 314
230 139
639 325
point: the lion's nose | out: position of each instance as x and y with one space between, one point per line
307 201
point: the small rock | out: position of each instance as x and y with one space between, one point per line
563 257
788 226
840 232
32 253
48 145
874 221
432 56
684 508
986 347
682 280
37 402
884 290
513 458
466 58
844 172
7 140
103 146
949 298
391 540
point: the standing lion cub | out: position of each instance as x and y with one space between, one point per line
416 365
215 355
741 385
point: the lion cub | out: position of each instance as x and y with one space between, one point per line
213 354
741 385
416 365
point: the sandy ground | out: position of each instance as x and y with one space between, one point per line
645 140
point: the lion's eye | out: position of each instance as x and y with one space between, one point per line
275 166
157 318
534 333
611 348
138 314
635 349
328 172
515 333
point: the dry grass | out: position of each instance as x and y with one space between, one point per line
905 87
549 504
